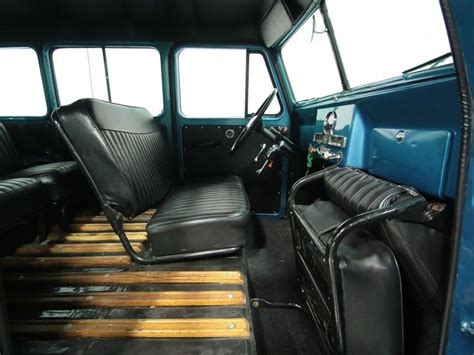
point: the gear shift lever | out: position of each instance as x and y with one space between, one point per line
263 146
269 155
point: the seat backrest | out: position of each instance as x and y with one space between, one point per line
356 192
420 249
10 160
122 149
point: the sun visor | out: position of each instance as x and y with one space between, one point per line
276 24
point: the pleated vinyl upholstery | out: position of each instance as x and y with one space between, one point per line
356 192
129 162
9 158
145 160
19 199
202 215
124 151
212 199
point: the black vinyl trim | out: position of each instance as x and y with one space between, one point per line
463 167
5 340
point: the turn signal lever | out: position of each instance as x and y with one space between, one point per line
269 155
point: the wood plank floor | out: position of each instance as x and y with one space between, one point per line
150 328
81 290
129 277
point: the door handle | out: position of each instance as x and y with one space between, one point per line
210 144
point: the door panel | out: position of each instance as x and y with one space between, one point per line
202 146
206 153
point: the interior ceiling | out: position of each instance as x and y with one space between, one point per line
231 20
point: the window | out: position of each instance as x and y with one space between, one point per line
309 61
129 76
213 83
380 39
21 87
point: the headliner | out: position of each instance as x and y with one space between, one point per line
170 20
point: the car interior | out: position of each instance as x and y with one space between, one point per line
226 177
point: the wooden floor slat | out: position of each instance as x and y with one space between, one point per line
103 219
149 212
134 328
105 227
95 237
45 249
69 261
128 277
129 299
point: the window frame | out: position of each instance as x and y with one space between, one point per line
400 80
13 118
249 50
50 49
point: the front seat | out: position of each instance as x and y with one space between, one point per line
125 155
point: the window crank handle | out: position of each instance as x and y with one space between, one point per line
263 146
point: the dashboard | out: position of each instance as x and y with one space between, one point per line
405 154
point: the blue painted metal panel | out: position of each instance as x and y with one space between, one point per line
419 160
430 105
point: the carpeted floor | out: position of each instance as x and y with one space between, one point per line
272 274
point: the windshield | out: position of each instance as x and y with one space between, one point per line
380 39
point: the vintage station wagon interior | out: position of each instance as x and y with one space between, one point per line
233 177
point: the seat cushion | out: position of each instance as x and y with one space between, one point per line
60 178
20 199
205 215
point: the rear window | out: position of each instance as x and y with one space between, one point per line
223 83
129 76
21 86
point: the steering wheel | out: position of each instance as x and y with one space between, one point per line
254 122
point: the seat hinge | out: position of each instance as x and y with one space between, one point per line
115 218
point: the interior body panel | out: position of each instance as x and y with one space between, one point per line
370 122
236 177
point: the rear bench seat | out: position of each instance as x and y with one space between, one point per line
20 199
60 178
369 280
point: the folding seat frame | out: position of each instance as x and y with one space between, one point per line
356 222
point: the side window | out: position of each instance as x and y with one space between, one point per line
21 86
309 61
260 85
129 76
213 83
